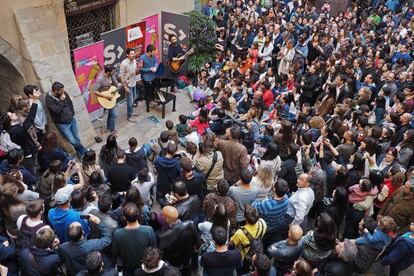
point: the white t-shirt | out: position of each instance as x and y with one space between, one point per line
145 188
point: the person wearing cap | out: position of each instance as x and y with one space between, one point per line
223 261
400 206
63 215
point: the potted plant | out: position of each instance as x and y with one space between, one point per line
202 38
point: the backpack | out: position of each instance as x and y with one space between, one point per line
255 245
27 234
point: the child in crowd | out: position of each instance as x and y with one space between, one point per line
172 131
201 122
382 235
209 103
359 192
181 126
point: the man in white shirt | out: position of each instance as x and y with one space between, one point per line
301 201
128 72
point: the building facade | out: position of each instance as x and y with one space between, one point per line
37 38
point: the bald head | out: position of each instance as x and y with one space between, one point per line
295 232
75 231
170 214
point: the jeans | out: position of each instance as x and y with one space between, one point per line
71 132
130 100
111 120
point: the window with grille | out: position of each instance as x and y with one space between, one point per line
85 28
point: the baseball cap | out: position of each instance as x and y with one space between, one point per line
63 194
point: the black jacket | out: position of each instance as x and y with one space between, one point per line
189 208
178 242
62 112
137 159
335 266
365 258
195 185
106 272
37 261
19 133
343 93
310 85
401 129
288 173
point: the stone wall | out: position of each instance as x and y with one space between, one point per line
45 45
34 43
11 82
132 11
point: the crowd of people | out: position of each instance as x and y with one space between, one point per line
297 160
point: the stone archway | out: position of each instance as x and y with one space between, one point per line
11 74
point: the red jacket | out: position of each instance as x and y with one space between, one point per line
391 190
268 98
201 127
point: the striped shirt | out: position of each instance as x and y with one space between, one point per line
272 211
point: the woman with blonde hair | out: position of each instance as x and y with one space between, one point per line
263 181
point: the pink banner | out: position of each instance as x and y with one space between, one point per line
89 62
151 34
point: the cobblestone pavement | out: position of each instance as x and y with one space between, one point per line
144 130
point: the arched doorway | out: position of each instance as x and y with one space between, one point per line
11 75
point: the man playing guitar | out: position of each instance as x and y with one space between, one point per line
104 81
149 67
174 50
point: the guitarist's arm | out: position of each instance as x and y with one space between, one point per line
102 95
178 58
173 55
98 85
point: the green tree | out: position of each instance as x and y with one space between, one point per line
202 39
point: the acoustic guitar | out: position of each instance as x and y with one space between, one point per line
176 66
109 104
